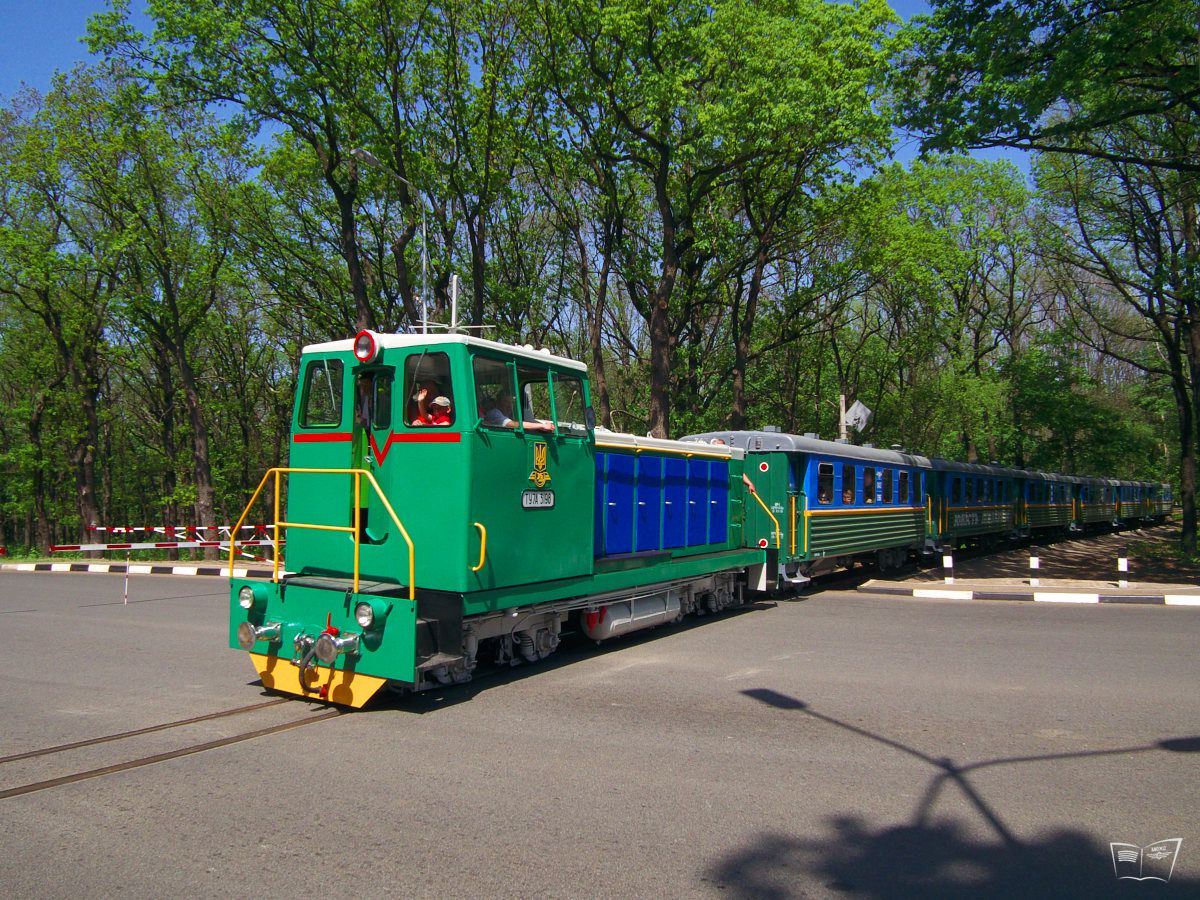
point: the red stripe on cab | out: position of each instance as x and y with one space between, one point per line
323 437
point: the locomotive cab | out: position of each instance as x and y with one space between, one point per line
479 450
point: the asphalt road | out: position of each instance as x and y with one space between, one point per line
842 745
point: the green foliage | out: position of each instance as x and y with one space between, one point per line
987 74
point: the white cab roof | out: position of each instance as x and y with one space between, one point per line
386 341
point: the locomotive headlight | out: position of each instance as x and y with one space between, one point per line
365 346
252 596
371 613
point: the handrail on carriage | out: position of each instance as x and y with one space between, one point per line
754 493
354 529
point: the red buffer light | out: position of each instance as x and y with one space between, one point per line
366 348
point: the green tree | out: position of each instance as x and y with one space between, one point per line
680 87
1048 75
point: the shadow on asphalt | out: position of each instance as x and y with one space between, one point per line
926 858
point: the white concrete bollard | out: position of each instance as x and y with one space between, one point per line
1122 568
948 565
1035 563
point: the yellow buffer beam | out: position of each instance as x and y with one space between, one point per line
335 685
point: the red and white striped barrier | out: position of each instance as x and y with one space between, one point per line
175 529
191 535
157 545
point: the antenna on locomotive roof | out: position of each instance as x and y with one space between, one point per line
455 326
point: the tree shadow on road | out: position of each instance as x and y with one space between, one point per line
936 857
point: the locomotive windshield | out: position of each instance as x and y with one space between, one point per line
322 393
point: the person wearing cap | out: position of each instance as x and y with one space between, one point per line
422 400
438 413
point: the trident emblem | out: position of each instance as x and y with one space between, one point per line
539 476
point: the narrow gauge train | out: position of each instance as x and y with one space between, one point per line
449 496
841 502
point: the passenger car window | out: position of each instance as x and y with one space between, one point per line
322 393
848 485
904 495
825 483
887 486
868 485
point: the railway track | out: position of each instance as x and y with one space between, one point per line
151 759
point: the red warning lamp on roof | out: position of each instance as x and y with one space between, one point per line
366 348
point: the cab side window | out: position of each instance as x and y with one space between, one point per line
494 400
905 496
569 407
428 392
887 486
535 394
322 394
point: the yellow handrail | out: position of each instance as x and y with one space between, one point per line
354 529
482 547
792 523
754 494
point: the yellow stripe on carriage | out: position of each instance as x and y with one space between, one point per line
686 453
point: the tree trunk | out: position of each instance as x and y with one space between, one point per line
741 347
364 316
202 468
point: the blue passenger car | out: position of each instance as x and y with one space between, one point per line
823 504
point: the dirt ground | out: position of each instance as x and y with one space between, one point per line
1153 559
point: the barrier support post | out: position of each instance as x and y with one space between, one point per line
948 565
1122 567
1035 563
